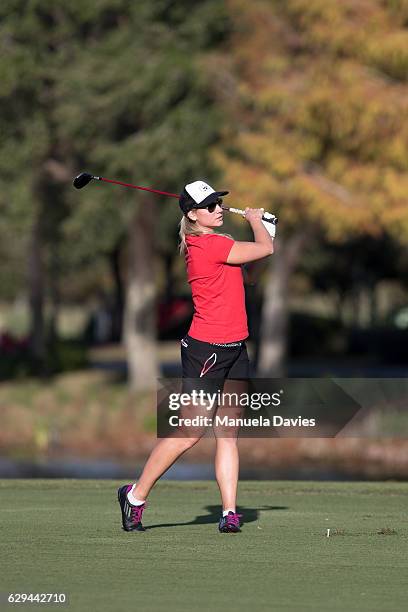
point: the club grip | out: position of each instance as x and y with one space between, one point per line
268 217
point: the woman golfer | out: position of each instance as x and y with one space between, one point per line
214 349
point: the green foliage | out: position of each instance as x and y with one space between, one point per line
115 87
141 112
66 356
63 356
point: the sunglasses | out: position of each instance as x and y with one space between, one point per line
211 207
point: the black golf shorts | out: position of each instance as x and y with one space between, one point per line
210 363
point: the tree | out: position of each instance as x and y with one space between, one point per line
118 88
154 122
317 91
29 149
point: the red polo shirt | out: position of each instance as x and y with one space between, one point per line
217 289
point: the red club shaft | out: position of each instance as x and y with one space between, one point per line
165 193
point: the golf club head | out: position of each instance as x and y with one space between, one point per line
82 180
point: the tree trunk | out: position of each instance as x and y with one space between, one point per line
140 311
36 295
118 305
275 314
55 298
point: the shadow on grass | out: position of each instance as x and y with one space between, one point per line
213 516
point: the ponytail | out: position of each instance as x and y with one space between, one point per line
187 228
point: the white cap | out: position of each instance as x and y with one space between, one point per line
200 191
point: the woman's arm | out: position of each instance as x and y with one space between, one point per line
244 252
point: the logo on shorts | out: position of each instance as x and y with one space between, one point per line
209 363
184 343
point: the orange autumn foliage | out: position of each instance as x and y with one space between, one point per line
317 96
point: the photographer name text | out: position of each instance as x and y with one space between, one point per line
226 421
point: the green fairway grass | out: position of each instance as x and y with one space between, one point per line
66 536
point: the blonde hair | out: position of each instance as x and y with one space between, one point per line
189 228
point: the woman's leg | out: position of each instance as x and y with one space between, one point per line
131 498
169 449
226 454
226 471
164 454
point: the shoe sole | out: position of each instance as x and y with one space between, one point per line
229 530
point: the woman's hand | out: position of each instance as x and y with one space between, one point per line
244 252
254 214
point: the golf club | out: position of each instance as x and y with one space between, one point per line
84 178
